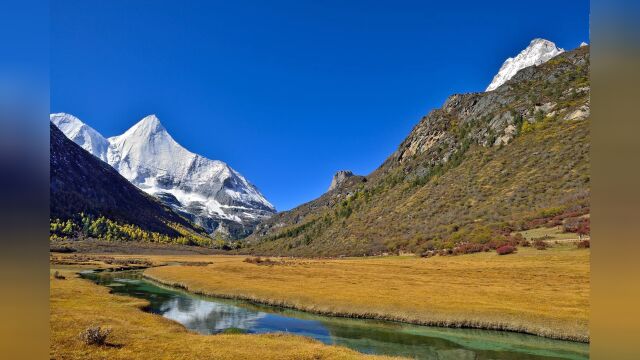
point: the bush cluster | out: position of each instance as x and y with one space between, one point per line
94 335
540 244
506 249
262 261
584 244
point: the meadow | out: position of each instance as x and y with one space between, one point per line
532 291
76 304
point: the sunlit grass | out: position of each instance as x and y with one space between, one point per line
76 304
551 234
539 292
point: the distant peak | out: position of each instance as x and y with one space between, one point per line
150 121
58 118
541 41
150 124
69 124
538 52
582 44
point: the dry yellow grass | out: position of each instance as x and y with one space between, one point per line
538 292
75 304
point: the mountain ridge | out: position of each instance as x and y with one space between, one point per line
208 192
83 185
403 205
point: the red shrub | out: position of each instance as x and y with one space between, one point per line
505 249
553 223
584 244
540 245
468 248
584 228
581 226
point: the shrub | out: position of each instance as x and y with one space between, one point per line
525 243
429 253
94 335
518 237
540 245
61 249
260 261
584 244
58 276
551 212
468 248
584 228
496 243
553 223
505 249
255 260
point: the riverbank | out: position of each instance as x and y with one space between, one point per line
543 293
76 304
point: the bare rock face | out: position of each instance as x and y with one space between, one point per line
339 178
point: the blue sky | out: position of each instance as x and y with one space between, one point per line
287 92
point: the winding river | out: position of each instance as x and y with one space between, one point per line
209 315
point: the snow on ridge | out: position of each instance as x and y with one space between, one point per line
82 134
152 160
538 52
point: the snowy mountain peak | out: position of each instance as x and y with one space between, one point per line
150 122
148 126
82 134
209 192
538 52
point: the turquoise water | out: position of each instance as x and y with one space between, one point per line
208 315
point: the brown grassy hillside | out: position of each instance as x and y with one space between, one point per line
478 168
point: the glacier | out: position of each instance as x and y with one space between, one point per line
208 192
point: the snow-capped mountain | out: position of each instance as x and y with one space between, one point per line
538 52
82 134
209 192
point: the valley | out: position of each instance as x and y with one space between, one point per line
465 291
471 240
74 307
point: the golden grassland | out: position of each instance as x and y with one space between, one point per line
76 304
538 292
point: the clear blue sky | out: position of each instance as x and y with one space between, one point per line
288 92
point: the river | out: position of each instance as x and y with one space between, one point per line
209 315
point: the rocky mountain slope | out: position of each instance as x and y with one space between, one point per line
82 184
208 192
538 52
479 167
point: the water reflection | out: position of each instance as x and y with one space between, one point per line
208 317
211 315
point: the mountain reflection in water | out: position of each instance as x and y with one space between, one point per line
207 315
